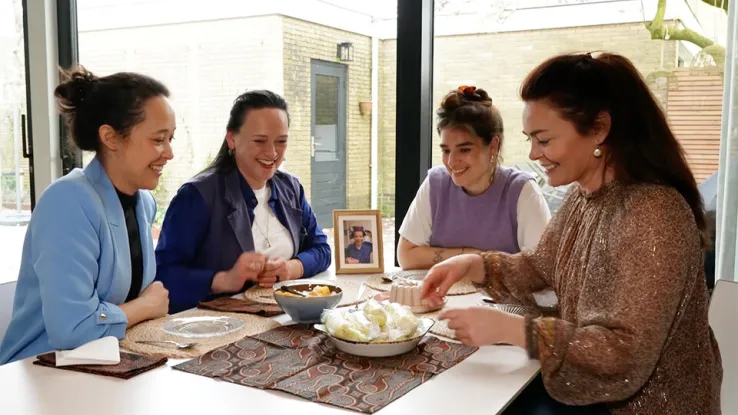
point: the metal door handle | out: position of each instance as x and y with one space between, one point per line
312 145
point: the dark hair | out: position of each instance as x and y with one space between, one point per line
471 108
249 100
88 102
640 146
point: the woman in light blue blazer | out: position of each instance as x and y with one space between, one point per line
88 258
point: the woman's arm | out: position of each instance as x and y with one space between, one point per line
411 256
515 277
314 254
64 255
185 227
414 250
613 350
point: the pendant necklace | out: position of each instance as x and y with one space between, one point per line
265 235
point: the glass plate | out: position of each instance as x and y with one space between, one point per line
201 327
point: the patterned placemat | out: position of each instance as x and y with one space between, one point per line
350 292
376 282
152 330
301 361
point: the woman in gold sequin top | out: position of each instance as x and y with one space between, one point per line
624 254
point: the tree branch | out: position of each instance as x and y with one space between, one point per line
689 35
661 31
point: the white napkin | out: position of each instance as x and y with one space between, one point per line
103 351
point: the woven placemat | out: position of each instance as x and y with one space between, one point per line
376 282
152 330
441 326
350 291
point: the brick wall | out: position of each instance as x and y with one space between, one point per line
303 42
205 65
498 62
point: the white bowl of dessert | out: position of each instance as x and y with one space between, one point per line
407 292
374 330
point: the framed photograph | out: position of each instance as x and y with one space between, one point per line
358 241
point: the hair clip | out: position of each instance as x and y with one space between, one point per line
467 89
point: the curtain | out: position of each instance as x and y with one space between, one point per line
726 239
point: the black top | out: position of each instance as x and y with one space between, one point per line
134 242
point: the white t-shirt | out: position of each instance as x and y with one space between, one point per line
532 210
266 225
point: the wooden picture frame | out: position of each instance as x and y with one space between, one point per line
351 249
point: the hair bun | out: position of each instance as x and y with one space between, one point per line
76 87
465 95
473 94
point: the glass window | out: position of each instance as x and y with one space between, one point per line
15 189
322 56
493 45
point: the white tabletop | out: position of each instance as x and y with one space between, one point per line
486 382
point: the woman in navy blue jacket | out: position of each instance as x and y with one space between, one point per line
241 221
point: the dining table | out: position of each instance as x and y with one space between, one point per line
486 382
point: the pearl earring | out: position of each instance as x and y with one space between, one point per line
597 152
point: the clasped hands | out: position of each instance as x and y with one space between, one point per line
258 268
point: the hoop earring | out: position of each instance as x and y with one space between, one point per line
231 152
494 170
597 153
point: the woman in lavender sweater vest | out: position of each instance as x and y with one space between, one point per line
471 203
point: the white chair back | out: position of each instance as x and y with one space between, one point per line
723 318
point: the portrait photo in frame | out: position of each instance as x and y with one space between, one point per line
358 241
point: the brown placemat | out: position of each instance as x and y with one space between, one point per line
301 361
350 292
242 305
376 282
130 365
152 330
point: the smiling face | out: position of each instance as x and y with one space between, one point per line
358 238
469 161
260 144
565 154
136 162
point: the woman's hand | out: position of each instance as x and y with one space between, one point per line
481 326
248 266
443 275
277 269
153 302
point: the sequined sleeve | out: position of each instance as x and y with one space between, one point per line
612 349
513 278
